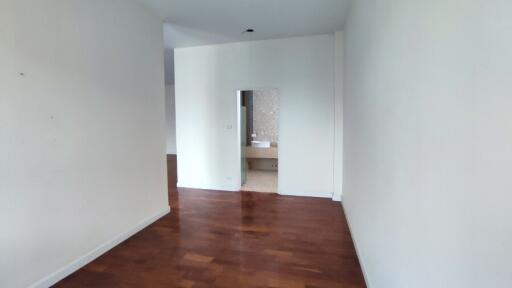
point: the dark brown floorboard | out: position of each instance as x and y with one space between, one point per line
223 239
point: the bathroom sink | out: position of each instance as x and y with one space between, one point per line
260 144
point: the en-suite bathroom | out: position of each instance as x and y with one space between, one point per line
259 122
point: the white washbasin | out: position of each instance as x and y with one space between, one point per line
260 144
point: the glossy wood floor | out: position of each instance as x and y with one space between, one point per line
222 239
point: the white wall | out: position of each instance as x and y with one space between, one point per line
338 116
207 79
82 133
170 119
428 141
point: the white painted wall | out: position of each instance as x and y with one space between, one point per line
428 141
170 118
207 79
82 133
338 116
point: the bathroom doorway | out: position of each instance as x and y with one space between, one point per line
258 124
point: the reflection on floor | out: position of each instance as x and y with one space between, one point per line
261 181
224 240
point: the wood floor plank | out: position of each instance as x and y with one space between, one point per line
225 239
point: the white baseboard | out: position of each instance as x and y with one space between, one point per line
306 194
89 257
336 198
215 188
358 252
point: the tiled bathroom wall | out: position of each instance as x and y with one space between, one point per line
266 115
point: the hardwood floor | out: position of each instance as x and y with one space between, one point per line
223 239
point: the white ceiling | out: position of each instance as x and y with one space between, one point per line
200 22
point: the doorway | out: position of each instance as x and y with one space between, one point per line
259 140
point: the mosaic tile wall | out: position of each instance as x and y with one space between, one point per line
266 115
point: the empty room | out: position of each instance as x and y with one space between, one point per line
255 143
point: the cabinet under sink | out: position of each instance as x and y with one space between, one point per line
261 153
